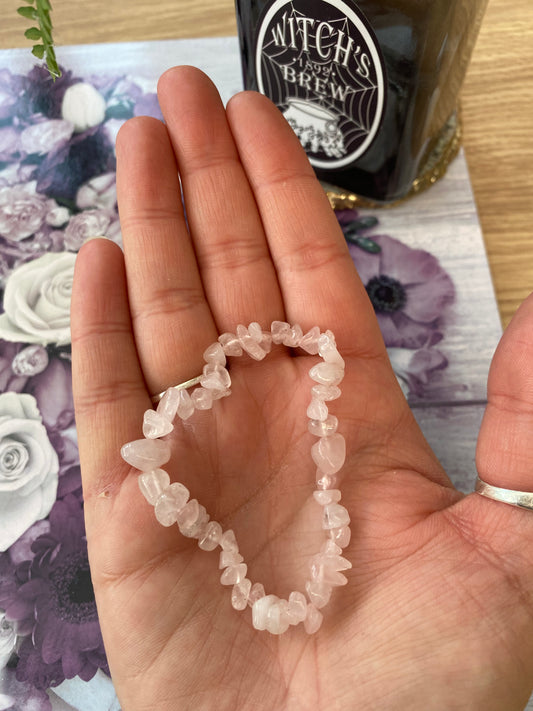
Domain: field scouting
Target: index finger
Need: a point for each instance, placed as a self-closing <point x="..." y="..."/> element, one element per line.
<point x="318" y="279"/>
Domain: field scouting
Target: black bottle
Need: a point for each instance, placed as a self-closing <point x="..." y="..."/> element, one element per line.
<point x="369" y="87"/>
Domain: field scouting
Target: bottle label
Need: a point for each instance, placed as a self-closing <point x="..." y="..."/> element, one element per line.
<point x="320" y="63"/>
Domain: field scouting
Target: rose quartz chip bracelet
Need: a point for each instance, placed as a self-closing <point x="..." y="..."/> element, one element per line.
<point x="172" y="502"/>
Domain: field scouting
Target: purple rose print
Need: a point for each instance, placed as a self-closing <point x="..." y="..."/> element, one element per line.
<point x="11" y="90"/>
<point x="8" y="640"/>
<point x="46" y="136"/>
<point x="148" y="105"/>
<point x="57" y="189"/>
<point x="30" y="361"/>
<point x="9" y="144"/>
<point x="36" y="95"/>
<point x="91" y="223"/>
<point x="125" y="98"/>
<point x="57" y="160"/>
<point x="88" y="154"/>
<point x="51" y="599"/>
<point x="70" y="481"/>
<point x="52" y="389"/>
<point x="414" y="368"/>
<point x="98" y="193"/>
<point x="20" y="696"/>
<point x="23" y="211"/>
<point x="11" y="378"/>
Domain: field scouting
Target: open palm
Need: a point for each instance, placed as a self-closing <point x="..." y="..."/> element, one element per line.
<point x="437" y="613"/>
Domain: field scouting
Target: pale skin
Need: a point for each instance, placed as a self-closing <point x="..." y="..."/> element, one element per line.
<point x="438" y="610"/>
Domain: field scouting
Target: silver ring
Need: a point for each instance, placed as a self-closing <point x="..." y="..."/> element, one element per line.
<point x="181" y="386"/>
<point x="522" y="499"/>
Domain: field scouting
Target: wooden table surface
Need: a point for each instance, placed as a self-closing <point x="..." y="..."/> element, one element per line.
<point x="497" y="105"/>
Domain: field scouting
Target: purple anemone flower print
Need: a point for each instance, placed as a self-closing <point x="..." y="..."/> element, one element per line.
<point x="51" y="599"/>
<point x="408" y="289"/>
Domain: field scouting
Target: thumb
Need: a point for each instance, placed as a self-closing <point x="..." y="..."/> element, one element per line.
<point x="504" y="453"/>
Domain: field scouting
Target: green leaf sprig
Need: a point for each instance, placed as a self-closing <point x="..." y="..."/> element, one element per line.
<point x="39" y="11"/>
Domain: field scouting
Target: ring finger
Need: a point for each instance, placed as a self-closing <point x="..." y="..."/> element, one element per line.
<point x="171" y="319"/>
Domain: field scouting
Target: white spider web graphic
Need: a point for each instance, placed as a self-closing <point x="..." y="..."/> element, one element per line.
<point x="290" y="73"/>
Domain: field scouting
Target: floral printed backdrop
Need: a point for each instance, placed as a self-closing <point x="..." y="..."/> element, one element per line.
<point x="57" y="188"/>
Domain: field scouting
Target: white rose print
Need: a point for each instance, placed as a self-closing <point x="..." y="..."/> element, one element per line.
<point x="37" y="301"/>
<point x="29" y="467"/>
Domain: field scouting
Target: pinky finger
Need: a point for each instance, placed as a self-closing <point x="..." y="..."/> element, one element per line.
<point x="108" y="386"/>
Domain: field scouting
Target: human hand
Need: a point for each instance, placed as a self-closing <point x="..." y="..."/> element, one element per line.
<point x="437" y="613"/>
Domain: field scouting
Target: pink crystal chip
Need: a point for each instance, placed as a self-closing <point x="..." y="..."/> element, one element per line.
<point x="155" y="425"/>
<point x="297" y="610"/>
<point x="215" y="377"/>
<point x="329" y="453"/>
<point x="279" y="329"/>
<point x="341" y="536"/>
<point x="153" y="483"/>
<point x="170" y="503"/>
<point x="269" y="613"/>
<point x="317" y="410"/>
<point x="234" y="574"/>
<point x="228" y="542"/>
<point x="319" y="592"/>
<point x="185" y="405"/>
<point x="323" y="428"/>
<point x="229" y="558"/>
<point x="328" y="349"/>
<point x="230" y="344"/>
<point x="239" y="594"/>
<point x="215" y="354"/>
<point x="327" y="496"/>
<point x="313" y="620"/>
<point x="210" y="539"/>
<point x="168" y="405"/>
<point x="327" y="373"/>
<point x="257" y="590"/>
<point x="309" y="341"/>
<point x="146" y="454"/>
<point x="202" y="398"/>
<point x="335" y="516"/>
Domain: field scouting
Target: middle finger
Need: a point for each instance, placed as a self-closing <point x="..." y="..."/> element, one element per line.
<point x="238" y="276"/>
